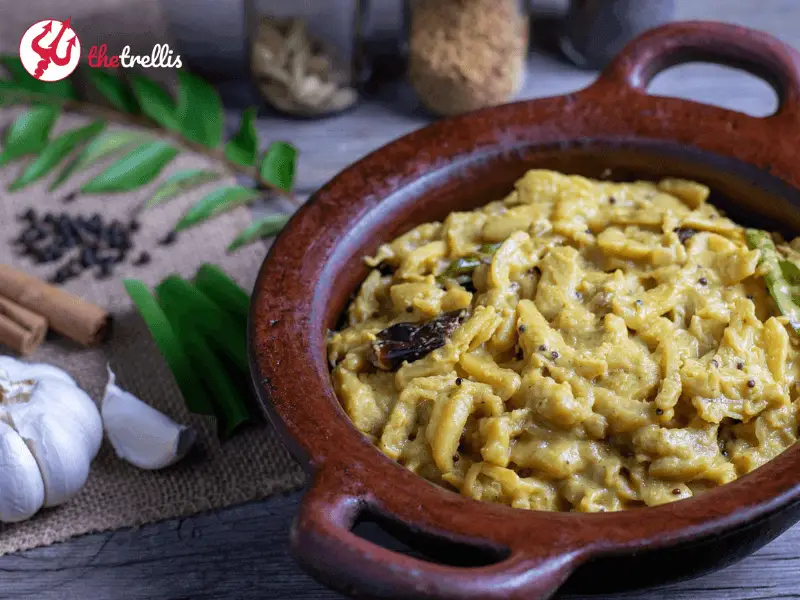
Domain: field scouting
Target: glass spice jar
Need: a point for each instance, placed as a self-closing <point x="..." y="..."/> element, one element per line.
<point x="466" y="54"/>
<point x="306" y="55"/>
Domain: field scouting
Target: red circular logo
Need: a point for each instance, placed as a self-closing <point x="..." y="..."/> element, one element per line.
<point x="50" y="50"/>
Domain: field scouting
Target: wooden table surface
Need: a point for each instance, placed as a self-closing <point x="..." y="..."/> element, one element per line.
<point x="241" y="553"/>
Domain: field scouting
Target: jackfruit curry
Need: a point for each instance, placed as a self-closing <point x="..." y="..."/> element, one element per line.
<point x="579" y="345"/>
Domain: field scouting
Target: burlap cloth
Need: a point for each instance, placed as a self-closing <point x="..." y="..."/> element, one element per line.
<point x="250" y="466"/>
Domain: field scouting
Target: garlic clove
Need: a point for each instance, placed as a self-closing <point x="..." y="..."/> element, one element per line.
<point x="47" y="393"/>
<point x="140" y="434"/>
<point x="21" y="484"/>
<point x="79" y="405"/>
<point x="50" y="435"/>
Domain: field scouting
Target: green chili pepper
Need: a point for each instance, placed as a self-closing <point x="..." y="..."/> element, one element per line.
<point x="228" y="334"/>
<point x="461" y="269"/>
<point x="226" y="293"/>
<point x="170" y="345"/>
<point x="781" y="275"/>
<point x="489" y="248"/>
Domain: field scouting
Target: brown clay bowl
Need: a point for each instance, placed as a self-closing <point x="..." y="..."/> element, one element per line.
<point x="478" y="550"/>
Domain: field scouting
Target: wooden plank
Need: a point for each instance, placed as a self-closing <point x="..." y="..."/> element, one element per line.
<point x="241" y="553"/>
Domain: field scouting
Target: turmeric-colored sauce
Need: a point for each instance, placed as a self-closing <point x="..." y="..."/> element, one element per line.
<point x="579" y="345"/>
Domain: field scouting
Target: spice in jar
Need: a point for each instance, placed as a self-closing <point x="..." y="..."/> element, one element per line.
<point x="294" y="73"/>
<point x="467" y="54"/>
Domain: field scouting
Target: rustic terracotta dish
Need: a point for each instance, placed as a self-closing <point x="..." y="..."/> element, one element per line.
<point x="492" y="551"/>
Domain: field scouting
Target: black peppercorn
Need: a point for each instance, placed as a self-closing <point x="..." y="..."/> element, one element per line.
<point x="88" y="256"/>
<point x="522" y="328"/>
<point x="751" y="383"/>
<point x="676" y="492"/>
<point x="740" y="365"/>
<point x="638" y="302"/>
<point x="612" y="200"/>
<point x="714" y="363"/>
<point x="542" y="348"/>
<point x="58" y="278"/>
<point x="554" y="354"/>
<point x="169" y="239"/>
<point x="105" y="271"/>
<point x="96" y="245"/>
<point x="94" y="224"/>
<point x="409" y="309"/>
<point x="702" y="281"/>
<point x="659" y="412"/>
<point x="459" y="381"/>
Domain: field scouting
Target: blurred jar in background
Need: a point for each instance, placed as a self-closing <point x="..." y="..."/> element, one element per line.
<point x="596" y="30"/>
<point x="306" y="55"/>
<point x="466" y="54"/>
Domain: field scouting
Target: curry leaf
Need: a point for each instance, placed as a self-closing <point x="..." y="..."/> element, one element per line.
<point x="135" y="169"/>
<point x="28" y="133"/>
<point x="24" y="81"/>
<point x="114" y="90"/>
<point x="267" y="227"/>
<point x="220" y="200"/>
<point x="243" y="147"/>
<point x="55" y="151"/>
<point x="180" y="182"/>
<point x="200" y="111"/>
<point x="278" y="165"/>
<point x="13" y="64"/>
<point x="103" y="146"/>
<point x="155" y="102"/>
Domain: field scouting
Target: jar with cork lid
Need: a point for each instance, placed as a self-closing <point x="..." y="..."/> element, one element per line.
<point x="466" y="54"/>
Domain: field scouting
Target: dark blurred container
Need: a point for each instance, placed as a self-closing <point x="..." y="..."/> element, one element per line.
<point x="306" y="56"/>
<point x="596" y="30"/>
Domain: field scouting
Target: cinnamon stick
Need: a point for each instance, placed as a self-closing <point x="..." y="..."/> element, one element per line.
<point x="20" y="329"/>
<point x="69" y="315"/>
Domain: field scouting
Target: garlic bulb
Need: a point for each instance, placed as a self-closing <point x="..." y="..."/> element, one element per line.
<point x="47" y="422"/>
<point x="16" y="370"/>
<point x="21" y="484"/>
<point x="139" y="433"/>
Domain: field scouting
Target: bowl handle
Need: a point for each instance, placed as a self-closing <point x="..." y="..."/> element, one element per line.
<point x="696" y="41"/>
<point x="323" y="543"/>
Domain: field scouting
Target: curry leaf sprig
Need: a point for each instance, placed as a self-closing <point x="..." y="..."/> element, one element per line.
<point x="165" y="127"/>
<point x="200" y="327"/>
<point x="781" y="276"/>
